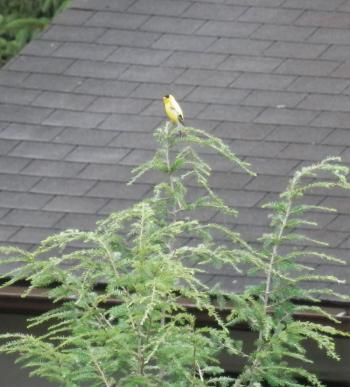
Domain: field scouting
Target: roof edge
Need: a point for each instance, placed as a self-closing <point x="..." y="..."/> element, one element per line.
<point x="12" y="301"/>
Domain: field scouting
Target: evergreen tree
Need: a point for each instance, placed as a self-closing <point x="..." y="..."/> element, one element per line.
<point x="122" y="290"/>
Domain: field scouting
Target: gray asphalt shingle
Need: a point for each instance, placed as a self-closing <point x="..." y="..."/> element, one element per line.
<point x="30" y="132"/>
<point x="79" y="104"/>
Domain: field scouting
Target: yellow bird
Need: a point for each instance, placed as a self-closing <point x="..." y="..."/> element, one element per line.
<point x="173" y="110"/>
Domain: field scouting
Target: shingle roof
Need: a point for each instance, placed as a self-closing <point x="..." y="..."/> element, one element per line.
<point x="79" y="104"/>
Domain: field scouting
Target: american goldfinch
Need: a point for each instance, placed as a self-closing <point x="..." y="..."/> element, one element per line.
<point x="173" y="109"/>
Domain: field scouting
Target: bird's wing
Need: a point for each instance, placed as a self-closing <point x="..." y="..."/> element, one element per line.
<point x="178" y="113"/>
<point x="176" y="107"/>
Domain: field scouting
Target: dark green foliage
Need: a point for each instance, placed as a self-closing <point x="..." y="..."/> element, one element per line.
<point x="150" y="272"/>
<point x="21" y="20"/>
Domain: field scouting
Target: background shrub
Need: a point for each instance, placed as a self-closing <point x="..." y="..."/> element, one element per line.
<point x="21" y="20"/>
